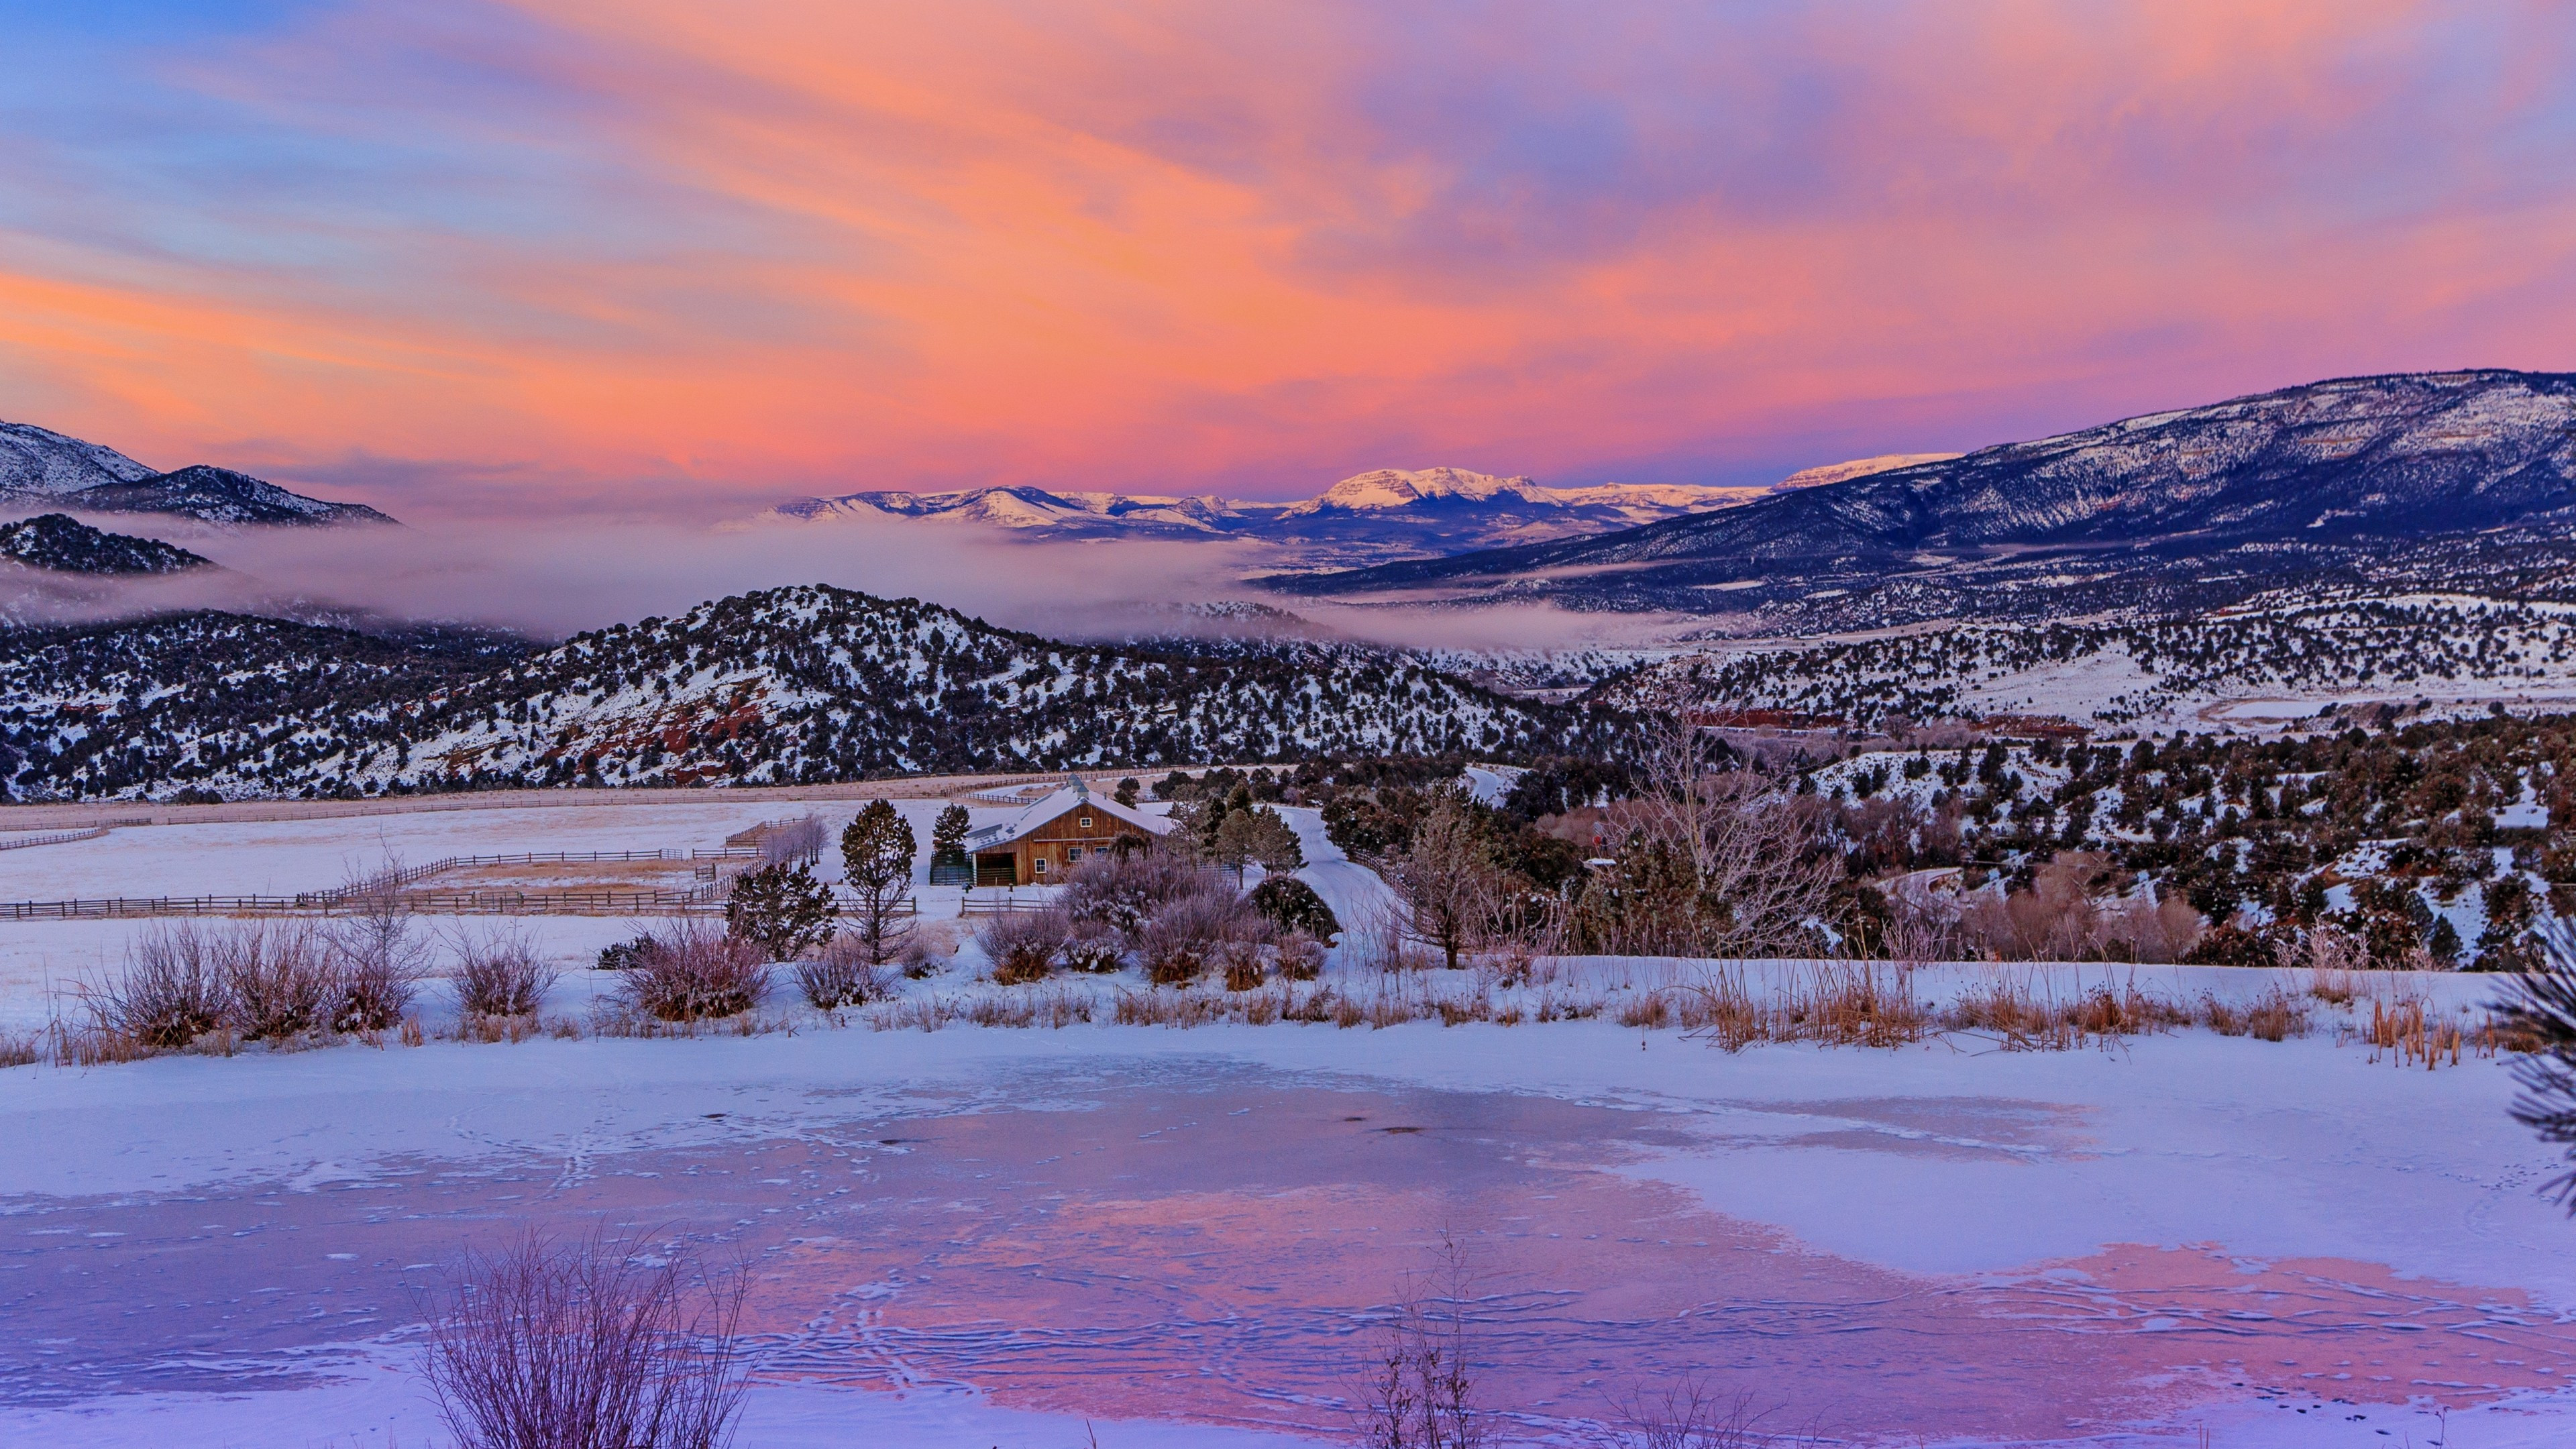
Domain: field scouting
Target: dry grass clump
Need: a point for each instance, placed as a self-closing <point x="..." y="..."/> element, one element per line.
<point x="1053" y="1007"/>
<point x="501" y="974"/>
<point x="2276" y="1015"/>
<point x="1831" y="1003"/>
<point x="21" y="1048"/>
<point x="925" y="1013"/>
<point x="840" y="975"/>
<point x="2023" y="1018"/>
<point x="582" y="1346"/>
<point x="1648" y="1011"/>
<point x="689" y="971"/>
<point x="2405" y="1030"/>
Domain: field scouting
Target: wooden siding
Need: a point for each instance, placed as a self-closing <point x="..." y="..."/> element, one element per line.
<point x="1080" y="829"/>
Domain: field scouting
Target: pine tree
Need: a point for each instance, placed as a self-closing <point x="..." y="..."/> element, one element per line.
<point x="876" y="861"/>
<point x="782" y="909"/>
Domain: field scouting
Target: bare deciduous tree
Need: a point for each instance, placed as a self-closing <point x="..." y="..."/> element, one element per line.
<point x="376" y="951"/>
<point x="1446" y="878"/>
<point x="1726" y="864"/>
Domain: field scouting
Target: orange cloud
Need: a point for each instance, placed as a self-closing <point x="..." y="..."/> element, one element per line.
<point x="671" y="258"/>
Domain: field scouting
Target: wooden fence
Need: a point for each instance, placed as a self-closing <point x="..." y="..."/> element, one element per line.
<point x="985" y="903"/>
<point x="58" y="837"/>
<point x="447" y="903"/>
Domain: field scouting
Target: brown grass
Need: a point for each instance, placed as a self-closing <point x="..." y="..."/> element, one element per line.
<point x="21" y="1048"/>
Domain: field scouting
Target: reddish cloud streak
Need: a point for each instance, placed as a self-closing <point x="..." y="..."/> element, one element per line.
<point x="675" y="259"/>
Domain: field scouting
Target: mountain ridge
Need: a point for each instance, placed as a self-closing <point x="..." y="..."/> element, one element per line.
<point x="2344" y="464"/>
<point x="61" y="543"/>
<point x="1385" y="512"/>
<point x="39" y="465"/>
<point x="788" y="685"/>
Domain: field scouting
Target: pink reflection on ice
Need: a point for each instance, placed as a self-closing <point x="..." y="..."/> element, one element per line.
<point x="1218" y="1247"/>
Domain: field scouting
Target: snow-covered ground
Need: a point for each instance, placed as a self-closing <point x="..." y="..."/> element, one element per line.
<point x="989" y="1236"/>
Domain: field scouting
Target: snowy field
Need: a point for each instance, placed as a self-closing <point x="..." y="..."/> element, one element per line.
<point x="1184" y="1236"/>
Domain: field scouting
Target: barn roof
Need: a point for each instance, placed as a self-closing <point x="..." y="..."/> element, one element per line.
<point x="1054" y="807"/>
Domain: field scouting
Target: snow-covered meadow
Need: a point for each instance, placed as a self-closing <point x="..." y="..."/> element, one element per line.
<point x="995" y="1235"/>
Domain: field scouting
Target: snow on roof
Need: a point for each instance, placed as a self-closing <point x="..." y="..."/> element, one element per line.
<point x="1053" y="807"/>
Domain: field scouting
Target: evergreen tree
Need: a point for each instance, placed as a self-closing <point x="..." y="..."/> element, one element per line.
<point x="782" y="909"/>
<point x="876" y="862"/>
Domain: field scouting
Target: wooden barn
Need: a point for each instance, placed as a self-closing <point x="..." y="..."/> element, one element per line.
<point x="1054" y="835"/>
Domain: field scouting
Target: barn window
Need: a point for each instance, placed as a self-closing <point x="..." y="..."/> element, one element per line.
<point x="1086" y="822"/>
<point x="1041" y="865"/>
<point x="1075" y="853"/>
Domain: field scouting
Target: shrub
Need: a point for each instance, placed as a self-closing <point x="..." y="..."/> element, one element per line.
<point x="1124" y="889"/>
<point x="501" y="975"/>
<point x="1022" y="945"/>
<point x="1244" y="968"/>
<point x="1301" y="957"/>
<point x="921" y="954"/>
<point x="1189" y="932"/>
<point x="842" y="974"/>
<point x="171" y="992"/>
<point x="377" y="958"/>
<point x="277" y="984"/>
<point x="689" y="972"/>
<point x="782" y="909"/>
<point x="1292" y="905"/>
<point x="580" y="1347"/>
<point x="1093" y="949"/>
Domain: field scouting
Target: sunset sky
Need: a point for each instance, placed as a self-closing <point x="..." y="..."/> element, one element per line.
<point x="675" y="259"/>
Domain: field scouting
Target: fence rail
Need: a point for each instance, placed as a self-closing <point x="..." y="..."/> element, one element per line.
<point x="447" y="903"/>
<point x="978" y="904"/>
<point x="57" y="837"/>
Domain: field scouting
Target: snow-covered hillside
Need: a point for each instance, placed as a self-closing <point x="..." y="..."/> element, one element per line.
<point x="787" y="685"/>
<point x="2164" y="672"/>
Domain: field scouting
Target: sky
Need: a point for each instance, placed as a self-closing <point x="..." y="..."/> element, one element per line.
<point x="671" y="262"/>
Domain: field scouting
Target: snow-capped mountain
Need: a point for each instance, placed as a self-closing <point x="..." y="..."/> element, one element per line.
<point x="39" y="462"/>
<point x="2321" y="480"/>
<point x="43" y="467"/>
<point x="1384" y="514"/>
<point x="1036" y="509"/>
<point x="786" y="685"/>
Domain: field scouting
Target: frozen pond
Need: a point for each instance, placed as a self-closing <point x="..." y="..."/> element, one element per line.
<point x="1204" y="1227"/>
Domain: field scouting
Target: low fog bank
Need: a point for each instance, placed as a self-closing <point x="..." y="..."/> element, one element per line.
<point x="558" y="577"/>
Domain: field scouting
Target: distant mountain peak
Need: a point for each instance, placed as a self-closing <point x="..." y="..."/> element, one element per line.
<point x="1859" y="468"/>
<point x="64" y="544"/>
<point x="1405" y="487"/>
<point x="39" y="465"/>
<point x="36" y="460"/>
